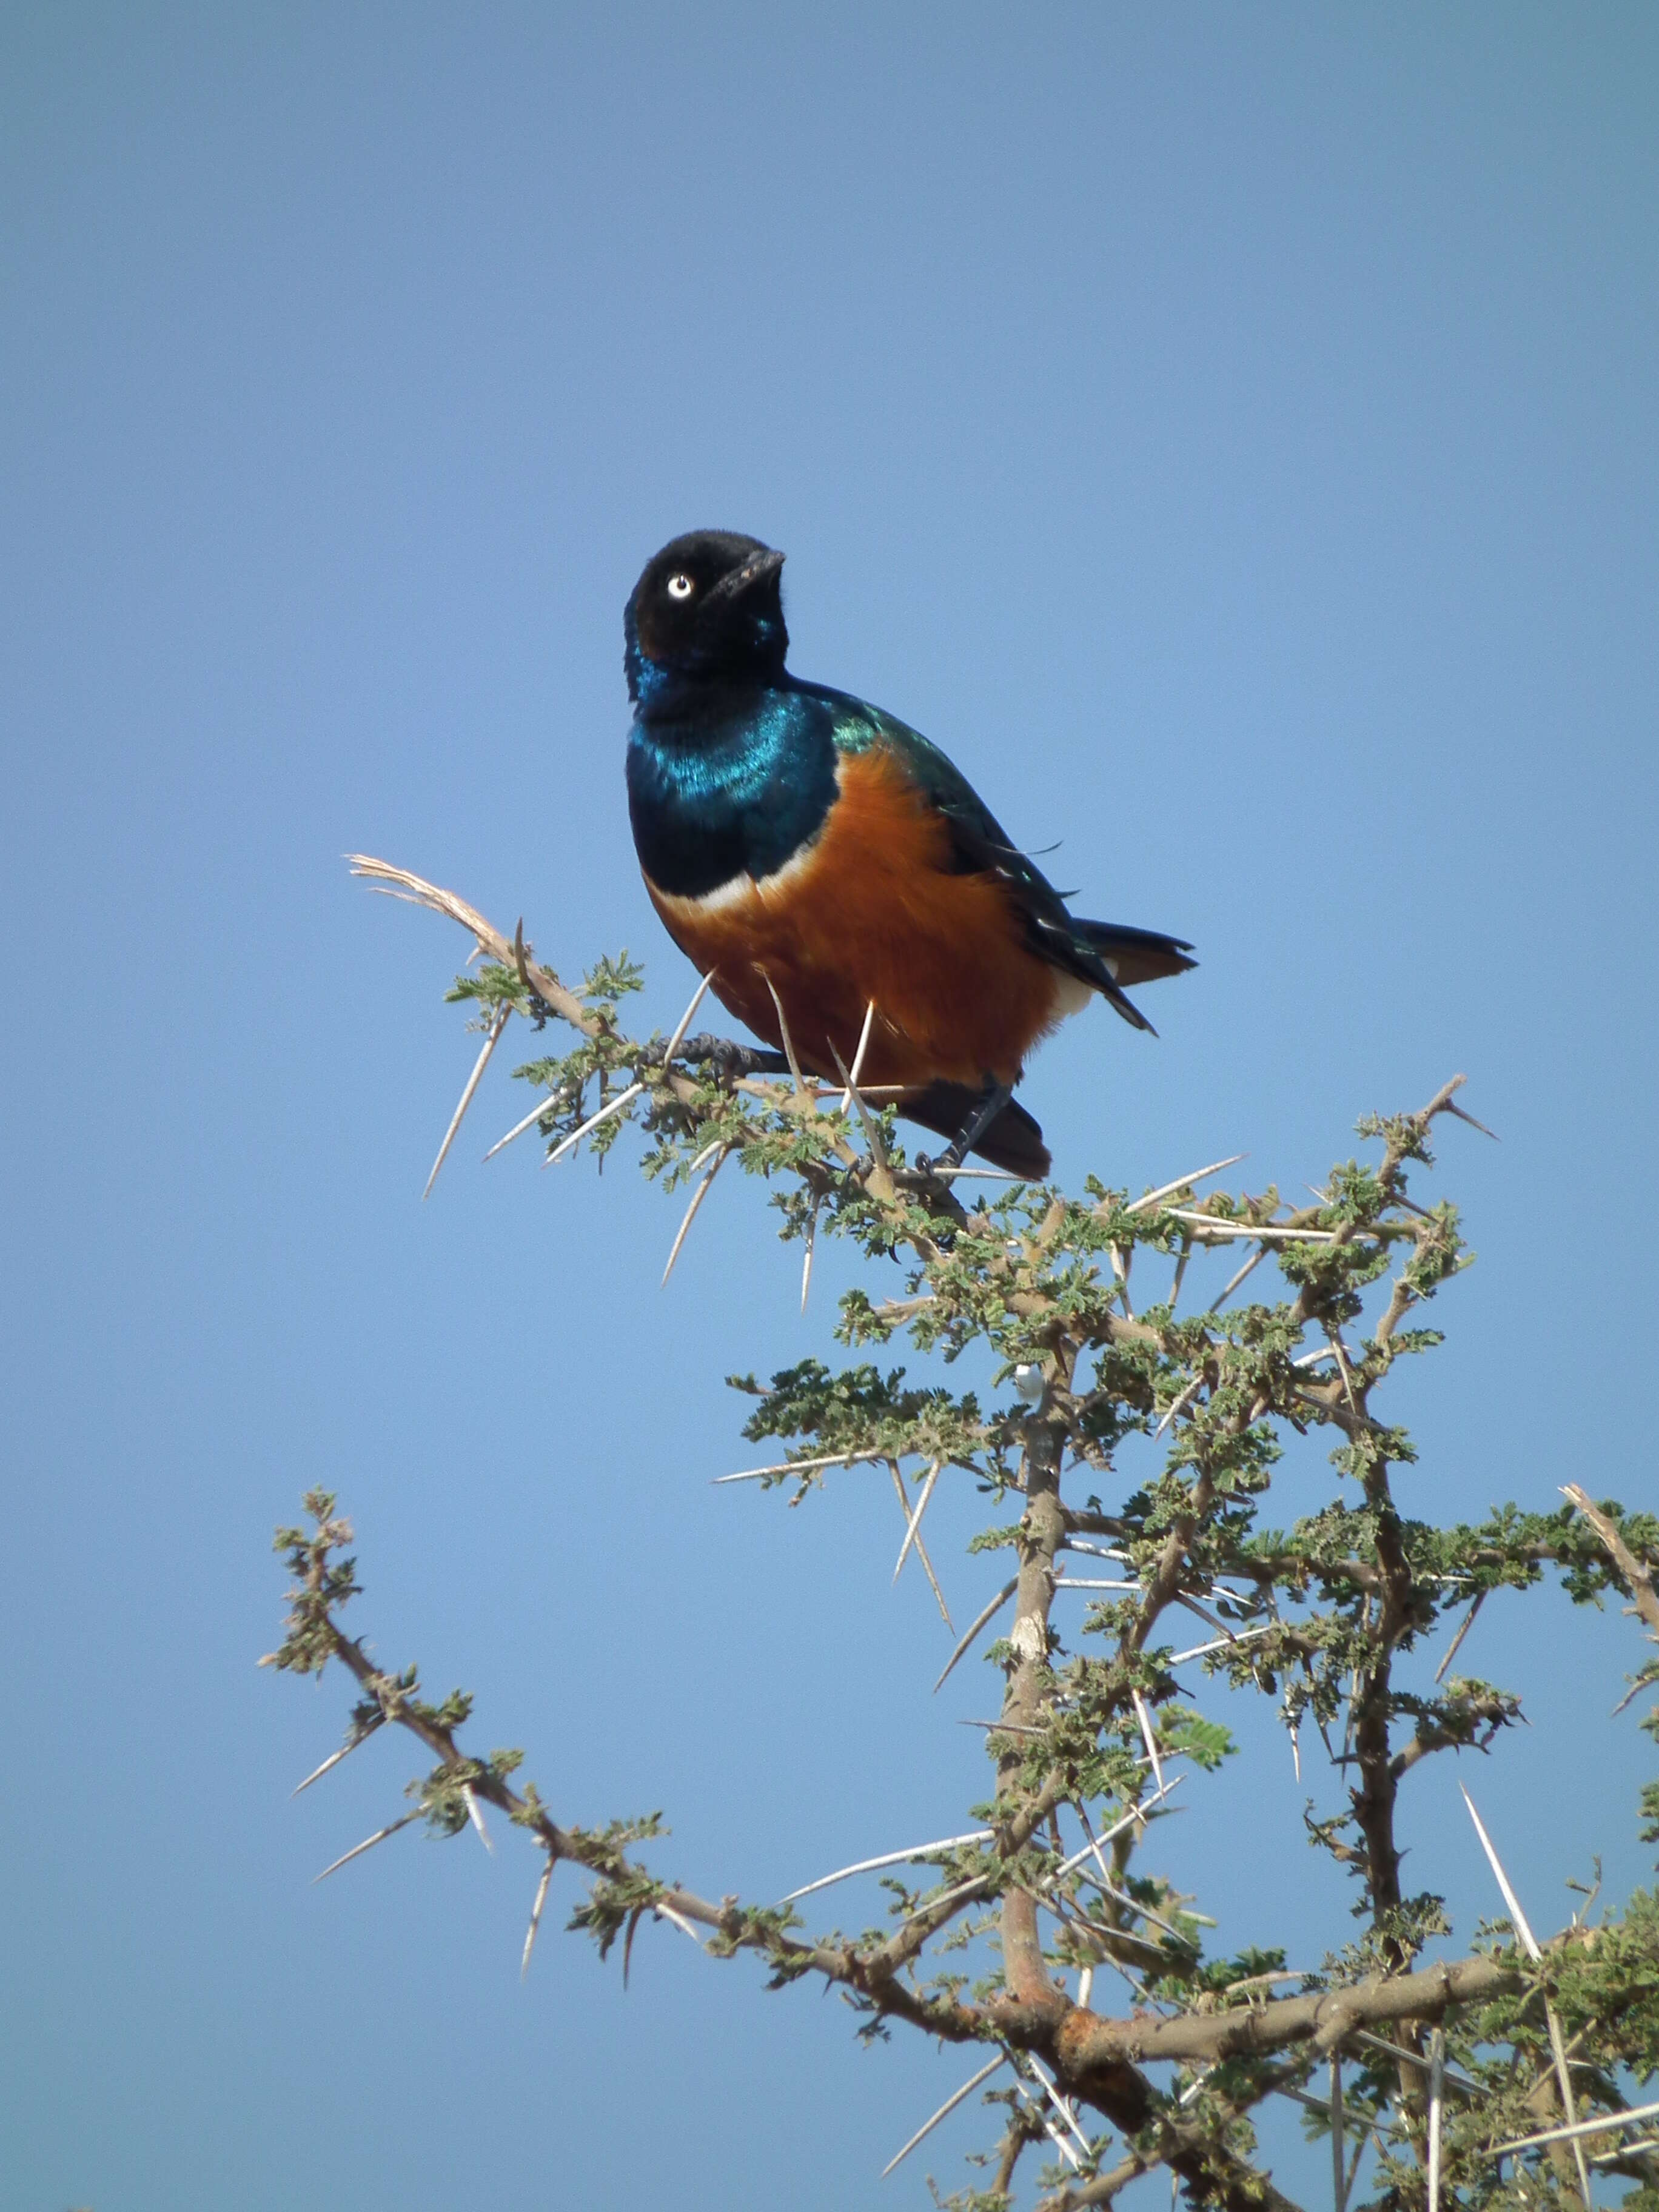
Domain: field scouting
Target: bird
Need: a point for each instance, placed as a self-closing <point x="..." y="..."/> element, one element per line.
<point x="838" y="877"/>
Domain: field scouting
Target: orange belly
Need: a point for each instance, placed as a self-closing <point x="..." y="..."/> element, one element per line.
<point x="872" y="912"/>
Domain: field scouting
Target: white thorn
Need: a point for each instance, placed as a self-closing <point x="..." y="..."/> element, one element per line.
<point x="858" y="1057"/>
<point x="698" y="1196"/>
<point x="806" y="1264"/>
<point x="914" y="1521"/>
<point x="1184" y="1183"/>
<point x="366" y="1845"/>
<point x="679" y="1038"/>
<point x="536" y="1915"/>
<point x="475" y="1813"/>
<point x="472" y="1082"/>
<point x="622" y="1098"/>
<point x="948" y="2105"/>
<point x="545" y="1106"/>
<point x="890" y="1858"/>
<point x="667" y="1912"/>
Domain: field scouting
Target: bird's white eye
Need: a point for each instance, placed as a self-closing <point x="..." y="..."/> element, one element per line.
<point x="680" y="586"/>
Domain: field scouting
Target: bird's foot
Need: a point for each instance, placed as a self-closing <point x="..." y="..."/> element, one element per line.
<point x="990" y="1103"/>
<point x="728" y="1059"/>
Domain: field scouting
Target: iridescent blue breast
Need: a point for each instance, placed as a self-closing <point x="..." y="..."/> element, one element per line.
<point x="733" y="787"/>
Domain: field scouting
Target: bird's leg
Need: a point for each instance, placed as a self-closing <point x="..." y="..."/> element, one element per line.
<point x="990" y="1103"/>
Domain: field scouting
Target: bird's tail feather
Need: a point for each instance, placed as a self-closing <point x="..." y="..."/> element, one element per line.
<point x="1012" y="1141"/>
<point x="1135" y="956"/>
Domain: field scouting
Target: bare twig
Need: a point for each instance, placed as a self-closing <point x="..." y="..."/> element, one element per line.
<point x="1638" y="1578"/>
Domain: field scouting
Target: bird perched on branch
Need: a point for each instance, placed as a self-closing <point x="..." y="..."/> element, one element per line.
<point x="837" y="874"/>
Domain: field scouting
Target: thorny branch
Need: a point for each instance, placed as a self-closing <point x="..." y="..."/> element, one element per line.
<point x="1322" y="1619"/>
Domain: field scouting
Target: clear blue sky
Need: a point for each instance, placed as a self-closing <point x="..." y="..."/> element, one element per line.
<point x="1232" y="434"/>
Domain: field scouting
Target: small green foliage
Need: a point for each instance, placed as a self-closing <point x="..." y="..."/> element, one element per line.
<point x="1142" y="1434"/>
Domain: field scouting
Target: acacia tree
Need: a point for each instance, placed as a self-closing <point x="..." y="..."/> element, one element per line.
<point x="1105" y="2040"/>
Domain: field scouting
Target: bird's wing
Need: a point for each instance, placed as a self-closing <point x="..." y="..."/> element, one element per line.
<point x="1097" y="952"/>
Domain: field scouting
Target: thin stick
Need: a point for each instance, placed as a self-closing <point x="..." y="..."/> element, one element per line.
<point x="1603" y="2122"/>
<point x="914" y="1521"/>
<point x="1436" y="2100"/>
<point x="948" y="2105"/>
<point x="368" y="1844"/>
<point x="697" y="1198"/>
<point x="679" y="1038"/>
<point x="1184" y="1183"/>
<point x="1468" y="1623"/>
<point x="536" y="1916"/>
<point x="472" y="1083"/>
<point x="890" y="1858"/>
<point x="1530" y="1941"/>
<point x="994" y="1607"/>
<point x="622" y="1098"/>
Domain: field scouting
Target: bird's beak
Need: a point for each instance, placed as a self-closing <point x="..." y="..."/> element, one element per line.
<point x="759" y="569"/>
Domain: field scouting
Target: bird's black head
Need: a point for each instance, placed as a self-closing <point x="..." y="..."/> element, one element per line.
<point x="709" y="604"/>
